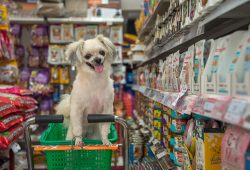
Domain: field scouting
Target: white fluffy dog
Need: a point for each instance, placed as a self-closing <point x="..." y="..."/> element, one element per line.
<point x="92" y="91"/>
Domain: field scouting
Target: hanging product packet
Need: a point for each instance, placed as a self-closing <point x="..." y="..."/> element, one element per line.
<point x="55" y="54"/>
<point x="67" y="32"/>
<point x="80" y="32"/>
<point x="9" y="121"/>
<point x="7" y="137"/>
<point x="34" y="57"/>
<point x="20" y="54"/>
<point x="15" y="32"/>
<point x="55" y="33"/>
<point x="6" y="47"/>
<point x="39" y="36"/>
<point x="24" y="77"/>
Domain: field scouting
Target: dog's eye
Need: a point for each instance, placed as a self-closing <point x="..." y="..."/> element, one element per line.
<point x="87" y="56"/>
<point x="102" y="52"/>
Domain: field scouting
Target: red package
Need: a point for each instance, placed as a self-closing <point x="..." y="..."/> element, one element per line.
<point x="22" y="102"/>
<point x="6" y="138"/>
<point x="15" y="90"/>
<point x="28" y="115"/>
<point x="9" y="121"/>
<point x="7" y="108"/>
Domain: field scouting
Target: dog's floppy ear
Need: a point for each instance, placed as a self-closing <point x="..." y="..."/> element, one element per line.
<point x="107" y="44"/>
<point x="73" y="51"/>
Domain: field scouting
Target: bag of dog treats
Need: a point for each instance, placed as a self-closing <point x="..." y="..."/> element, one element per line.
<point x="27" y="115"/>
<point x="7" y="137"/>
<point x="15" y="90"/>
<point x="39" y="36"/>
<point x="7" y="108"/>
<point x="9" y="121"/>
<point x="15" y="32"/>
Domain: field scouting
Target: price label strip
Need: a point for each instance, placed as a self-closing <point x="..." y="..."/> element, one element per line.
<point x="235" y="111"/>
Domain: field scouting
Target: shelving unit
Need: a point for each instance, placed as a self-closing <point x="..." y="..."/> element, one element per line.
<point x="82" y="20"/>
<point x="228" y="109"/>
<point x="149" y="23"/>
<point x="229" y="16"/>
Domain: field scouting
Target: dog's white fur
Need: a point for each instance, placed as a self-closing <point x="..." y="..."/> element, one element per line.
<point x="92" y="92"/>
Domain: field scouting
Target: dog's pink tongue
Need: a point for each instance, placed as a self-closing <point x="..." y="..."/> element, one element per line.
<point x="99" y="69"/>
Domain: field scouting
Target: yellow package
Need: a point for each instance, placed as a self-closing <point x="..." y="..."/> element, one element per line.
<point x="64" y="75"/>
<point x="208" y="150"/>
<point x="4" y="24"/>
<point x="54" y="75"/>
<point x="212" y="147"/>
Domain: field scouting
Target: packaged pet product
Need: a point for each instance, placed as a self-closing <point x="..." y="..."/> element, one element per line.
<point x="241" y="75"/>
<point x="208" y="48"/>
<point x="15" y="32"/>
<point x="116" y="34"/>
<point x="159" y="77"/>
<point x="177" y="142"/>
<point x="185" y="14"/>
<point x="91" y="32"/>
<point x="9" y="121"/>
<point x="15" y="90"/>
<point x="39" y="36"/>
<point x="234" y="146"/>
<point x="211" y="69"/>
<point x="54" y="74"/>
<point x="6" y="47"/>
<point x="187" y="71"/>
<point x="44" y="57"/>
<point x="4" y="24"/>
<point x="223" y="73"/>
<point x="46" y="105"/>
<point x="20" y="54"/>
<point x="104" y="30"/>
<point x="177" y="157"/>
<point x="55" y="33"/>
<point x="175" y="64"/>
<point x="7" y="108"/>
<point x="192" y="10"/>
<point x="64" y="75"/>
<point x="209" y="5"/>
<point x="67" y="32"/>
<point x="177" y="125"/>
<point x="9" y="136"/>
<point x="198" y="66"/>
<point x="55" y="54"/>
<point x="80" y="32"/>
<point x="34" y="57"/>
<point x="8" y="72"/>
<point x="211" y="153"/>
<point x="24" y="76"/>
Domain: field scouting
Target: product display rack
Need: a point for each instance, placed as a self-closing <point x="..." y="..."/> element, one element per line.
<point x="201" y="105"/>
<point x="219" y="22"/>
<point x="166" y="84"/>
<point x="149" y="23"/>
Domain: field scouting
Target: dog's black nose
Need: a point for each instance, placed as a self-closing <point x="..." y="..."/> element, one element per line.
<point x="98" y="60"/>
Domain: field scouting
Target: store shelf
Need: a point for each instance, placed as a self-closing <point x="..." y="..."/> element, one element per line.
<point x="127" y="61"/>
<point x="82" y="20"/>
<point x="161" y="8"/>
<point x="229" y="109"/>
<point x="229" y="16"/>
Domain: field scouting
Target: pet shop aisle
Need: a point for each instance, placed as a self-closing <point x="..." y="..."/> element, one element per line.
<point x="192" y="91"/>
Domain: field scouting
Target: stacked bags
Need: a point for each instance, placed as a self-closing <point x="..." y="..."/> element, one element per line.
<point x="16" y="106"/>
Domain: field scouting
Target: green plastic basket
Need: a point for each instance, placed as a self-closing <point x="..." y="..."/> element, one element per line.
<point x="75" y="159"/>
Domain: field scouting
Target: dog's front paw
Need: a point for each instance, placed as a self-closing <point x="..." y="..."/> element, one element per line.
<point x="106" y="142"/>
<point x="78" y="141"/>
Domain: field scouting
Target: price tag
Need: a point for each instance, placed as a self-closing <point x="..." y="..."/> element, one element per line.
<point x="165" y="100"/>
<point x="162" y="154"/>
<point x="208" y="106"/>
<point x="235" y="111"/>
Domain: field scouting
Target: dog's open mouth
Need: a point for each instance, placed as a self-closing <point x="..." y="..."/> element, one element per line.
<point x="97" y="67"/>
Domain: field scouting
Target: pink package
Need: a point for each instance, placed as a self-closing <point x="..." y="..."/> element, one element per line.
<point x="234" y="146"/>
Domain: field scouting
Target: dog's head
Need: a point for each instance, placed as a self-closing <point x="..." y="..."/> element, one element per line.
<point x="93" y="55"/>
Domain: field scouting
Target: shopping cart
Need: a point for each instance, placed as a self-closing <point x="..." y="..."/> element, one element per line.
<point x="65" y="155"/>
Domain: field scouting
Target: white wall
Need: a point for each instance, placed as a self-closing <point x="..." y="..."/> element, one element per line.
<point x="131" y="4"/>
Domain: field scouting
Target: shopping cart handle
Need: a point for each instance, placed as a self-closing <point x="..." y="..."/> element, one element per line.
<point x="98" y="118"/>
<point x="49" y="119"/>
